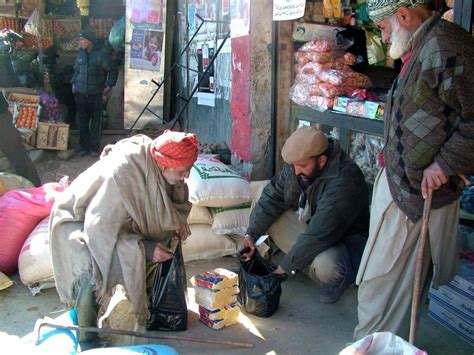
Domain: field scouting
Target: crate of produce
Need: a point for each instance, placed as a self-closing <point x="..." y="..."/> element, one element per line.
<point x="66" y="25"/>
<point x="26" y="115"/>
<point x="101" y="26"/>
<point x="21" y="98"/>
<point x="10" y="24"/>
<point x="31" y="42"/>
<point x="52" y="135"/>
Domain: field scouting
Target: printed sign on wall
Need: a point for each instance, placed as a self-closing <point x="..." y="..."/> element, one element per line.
<point x="288" y="9"/>
<point x="147" y="13"/>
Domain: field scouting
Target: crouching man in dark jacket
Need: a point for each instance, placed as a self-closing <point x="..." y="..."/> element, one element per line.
<point x="327" y="196"/>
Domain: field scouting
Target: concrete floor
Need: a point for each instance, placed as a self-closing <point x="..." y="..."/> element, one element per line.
<point x="300" y="326"/>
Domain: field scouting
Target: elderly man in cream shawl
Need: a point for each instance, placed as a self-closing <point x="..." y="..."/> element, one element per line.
<point x="122" y="209"/>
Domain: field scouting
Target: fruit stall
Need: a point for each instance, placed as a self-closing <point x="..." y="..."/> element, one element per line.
<point x="39" y="42"/>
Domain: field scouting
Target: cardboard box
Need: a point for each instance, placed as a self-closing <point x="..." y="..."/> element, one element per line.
<point x="367" y="109"/>
<point x="340" y="103"/>
<point x="464" y="280"/>
<point x="457" y="301"/>
<point x="52" y="136"/>
<point x="459" y="326"/>
<point x="310" y="31"/>
<point x="28" y="136"/>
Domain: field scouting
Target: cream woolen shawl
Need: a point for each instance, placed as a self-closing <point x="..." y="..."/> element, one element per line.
<point x="98" y="223"/>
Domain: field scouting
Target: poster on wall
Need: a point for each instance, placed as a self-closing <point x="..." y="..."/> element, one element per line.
<point x="145" y="43"/>
<point x="206" y="9"/>
<point x="225" y="7"/>
<point x="146" y="49"/>
<point x="147" y="13"/>
<point x="239" y="18"/>
<point x="206" y="89"/>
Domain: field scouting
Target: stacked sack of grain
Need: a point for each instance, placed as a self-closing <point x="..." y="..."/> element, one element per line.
<point x="221" y="207"/>
<point x="216" y="294"/>
<point x="323" y="72"/>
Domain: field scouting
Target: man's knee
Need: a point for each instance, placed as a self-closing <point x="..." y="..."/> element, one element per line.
<point x="325" y="267"/>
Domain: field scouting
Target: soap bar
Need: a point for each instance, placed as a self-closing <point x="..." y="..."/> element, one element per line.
<point x="216" y="295"/>
<point x="212" y="301"/>
<point x="228" y="312"/>
<point x="217" y="279"/>
<point x="218" y="323"/>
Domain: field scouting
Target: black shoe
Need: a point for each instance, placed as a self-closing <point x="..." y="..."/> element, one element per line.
<point x="330" y="294"/>
<point x="83" y="153"/>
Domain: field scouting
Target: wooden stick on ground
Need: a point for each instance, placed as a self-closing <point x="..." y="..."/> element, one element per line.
<point x="417" y="286"/>
<point x="141" y="335"/>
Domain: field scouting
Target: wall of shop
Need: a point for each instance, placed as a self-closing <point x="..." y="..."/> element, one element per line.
<point x="239" y="114"/>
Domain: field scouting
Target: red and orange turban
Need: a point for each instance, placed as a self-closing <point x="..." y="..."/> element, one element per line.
<point x="174" y="149"/>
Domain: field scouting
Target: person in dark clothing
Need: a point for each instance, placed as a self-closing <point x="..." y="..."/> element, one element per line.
<point x="94" y="75"/>
<point x="326" y="194"/>
<point x="13" y="148"/>
<point x="64" y="94"/>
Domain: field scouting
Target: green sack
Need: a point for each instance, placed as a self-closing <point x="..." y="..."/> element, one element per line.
<point x="117" y="35"/>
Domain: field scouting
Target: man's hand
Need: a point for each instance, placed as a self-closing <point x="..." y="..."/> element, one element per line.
<point x="249" y="242"/>
<point x="161" y="253"/>
<point x="280" y="273"/>
<point x="433" y="178"/>
<point x="106" y="90"/>
<point x="181" y="234"/>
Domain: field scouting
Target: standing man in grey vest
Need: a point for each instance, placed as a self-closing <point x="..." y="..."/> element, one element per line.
<point x="429" y="141"/>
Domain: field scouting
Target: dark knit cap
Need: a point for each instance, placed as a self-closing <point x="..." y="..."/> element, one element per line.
<point x="88" y="34"/>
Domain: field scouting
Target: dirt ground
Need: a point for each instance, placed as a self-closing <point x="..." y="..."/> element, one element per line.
<point x="51" y="168"/>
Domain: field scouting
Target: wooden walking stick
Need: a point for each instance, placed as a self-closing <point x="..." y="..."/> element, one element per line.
<point x="417" y="287"/>
<point x="138" y="334"/>
<point x="420" y="256"/>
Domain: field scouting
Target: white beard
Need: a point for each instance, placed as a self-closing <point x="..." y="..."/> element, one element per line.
<point x="399" y="39"/>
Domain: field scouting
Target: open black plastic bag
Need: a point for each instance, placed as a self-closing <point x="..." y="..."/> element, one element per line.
<point x="168" y="295"/>
<point x="260" y="289"/>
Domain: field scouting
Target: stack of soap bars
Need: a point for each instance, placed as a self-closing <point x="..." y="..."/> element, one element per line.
<point x="216" y="295"/>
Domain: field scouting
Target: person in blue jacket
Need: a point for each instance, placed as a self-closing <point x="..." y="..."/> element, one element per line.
<point x="94" y="75"/>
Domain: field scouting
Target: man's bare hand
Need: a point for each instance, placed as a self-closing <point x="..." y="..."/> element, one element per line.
<point x="161" y="253"/>
<point x="182" y="233"/>
<point x="106" y="91"/>
<point x="280" y="273"/>
<point x="249" y="243"/>
<point x="433" y="178"/>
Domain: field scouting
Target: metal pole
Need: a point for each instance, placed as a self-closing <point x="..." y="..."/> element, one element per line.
<point x="172" y="123"/>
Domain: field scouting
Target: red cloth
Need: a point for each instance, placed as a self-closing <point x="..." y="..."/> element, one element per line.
<point x="173" y="149"/>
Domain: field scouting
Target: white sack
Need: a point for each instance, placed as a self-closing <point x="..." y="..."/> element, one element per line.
<point x="214" y="184"/>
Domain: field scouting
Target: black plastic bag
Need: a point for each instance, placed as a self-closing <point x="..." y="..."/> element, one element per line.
<point x="168" y="295"/>
<point x="260" y="289"/>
